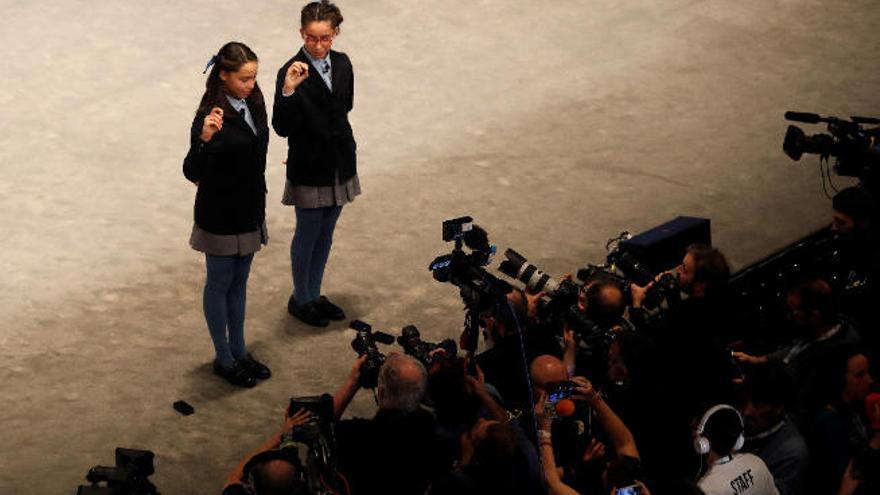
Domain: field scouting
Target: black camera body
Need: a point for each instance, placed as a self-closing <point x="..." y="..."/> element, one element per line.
<point x="412" y="343"/>
<point x="128" y="477"/>
<point x="562" y="295"/>
<point x="847" y="140"/>
<point x="627" y="268"/>
<point x="588" y="331"/>
<point x="364" y="343"/>
<point x="479" y="289"/>
<point x="318" y="435"/>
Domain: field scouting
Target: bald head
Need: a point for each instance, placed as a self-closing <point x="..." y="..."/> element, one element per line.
<point x="402" y="383"/>
<point x="547" y="369"/>
<point x="275" y="476"/>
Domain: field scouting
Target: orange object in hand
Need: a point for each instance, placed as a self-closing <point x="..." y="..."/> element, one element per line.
<point x="565" y="408"/>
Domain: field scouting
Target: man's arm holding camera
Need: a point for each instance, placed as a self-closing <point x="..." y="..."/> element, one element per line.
<point x="622" y="439"/>
<point x="300" y="417"/>
<point x="555" y="484"/>
<point x="347" y="391"/>
<point x="477" y="386"/>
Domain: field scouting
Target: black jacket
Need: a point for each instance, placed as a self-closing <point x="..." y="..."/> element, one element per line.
<point x="320" y="142"/>
<point x="230" y="171"/>
<point x="394" y="453"/>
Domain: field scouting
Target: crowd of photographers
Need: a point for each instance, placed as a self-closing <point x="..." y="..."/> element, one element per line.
<point x="597" y="384"/>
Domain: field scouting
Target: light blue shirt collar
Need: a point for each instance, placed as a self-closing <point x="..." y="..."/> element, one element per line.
<point x="238" y="105"/>
<point x="317" y="61"/>
<point x="318" y="64"/>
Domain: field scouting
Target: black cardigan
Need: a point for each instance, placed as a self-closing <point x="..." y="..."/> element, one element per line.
<point x="320" y="142"/>
<point x="230" y="171"/>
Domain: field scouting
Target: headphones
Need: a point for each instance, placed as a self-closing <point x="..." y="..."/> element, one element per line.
<point x="702" y="444"/>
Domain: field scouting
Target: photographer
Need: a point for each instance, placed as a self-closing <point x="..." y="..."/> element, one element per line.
<point x="268" y="470"/>
<point x="690" y="342"/>
<point x="623" y="468"/>
<point x="496" y="458"/>
<point x="692" y="335"/>
<point x="578" y="449"/>
<point x="592" y="325"/>
<point x="702" y="278"/>
<point x="459" y="400"/>
<point x="394" y="452"/>
<point x="502" y="361"/>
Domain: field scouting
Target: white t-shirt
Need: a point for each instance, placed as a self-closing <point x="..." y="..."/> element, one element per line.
<point x="743" y="474"/>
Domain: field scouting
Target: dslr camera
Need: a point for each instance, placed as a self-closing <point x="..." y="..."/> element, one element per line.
<point x="412" y="343"/>
<point x="625" y="268"/>
<point x="563" y="294"/>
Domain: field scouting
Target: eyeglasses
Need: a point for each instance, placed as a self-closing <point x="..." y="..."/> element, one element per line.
<point x="317" y="39"/>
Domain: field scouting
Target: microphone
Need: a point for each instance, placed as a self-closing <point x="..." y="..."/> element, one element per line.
<point x="809" y="118"/>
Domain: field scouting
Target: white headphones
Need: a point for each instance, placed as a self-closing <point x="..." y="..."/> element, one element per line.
<point x="702" y="444"/>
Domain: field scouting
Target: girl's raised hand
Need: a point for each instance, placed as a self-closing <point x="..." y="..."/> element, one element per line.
<point x="213" y="123"/>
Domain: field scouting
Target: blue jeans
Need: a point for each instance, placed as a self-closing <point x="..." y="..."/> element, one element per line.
<point x="224" y="302"/>
<point x="310" y="249"/>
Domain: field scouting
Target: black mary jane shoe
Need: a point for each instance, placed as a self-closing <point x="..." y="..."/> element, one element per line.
<point x="309" y="314"/>
<point x="235" y="374"/>
<point x="330" y="310"/>
<point x="255" y="368"/>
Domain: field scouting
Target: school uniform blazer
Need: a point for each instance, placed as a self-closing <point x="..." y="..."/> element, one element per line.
<point x="230" y="172"/>
<point x="320" y="142"/>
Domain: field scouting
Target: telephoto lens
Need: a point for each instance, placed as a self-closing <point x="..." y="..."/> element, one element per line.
<point x="516" y="266"/>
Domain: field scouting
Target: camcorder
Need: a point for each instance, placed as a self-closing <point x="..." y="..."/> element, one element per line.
<point x="411" y="342"/>
<point x="852" y="146"/>
<point x="479" y="289"/>
<point x="319" y="438"/>
<point x="364" y="343"/>
<point x="128" y="477"/>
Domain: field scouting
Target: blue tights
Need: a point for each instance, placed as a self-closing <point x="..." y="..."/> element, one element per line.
<point x="224" y="303"/>
<point x="310" y="249"/>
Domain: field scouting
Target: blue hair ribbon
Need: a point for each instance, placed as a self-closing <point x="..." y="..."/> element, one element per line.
<point x="210" y="63"/>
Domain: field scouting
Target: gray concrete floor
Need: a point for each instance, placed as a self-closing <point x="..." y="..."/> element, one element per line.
<point x="555" y="124"/>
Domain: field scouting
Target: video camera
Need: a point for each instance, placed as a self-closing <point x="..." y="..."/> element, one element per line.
<point x="847" y="141"/>
<point x="319" y="437"/>
<point x="128" y="477"/>
<point x="365" y="343"/>
<point x="478" y="288"/>
<point x="412" y="343"/>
